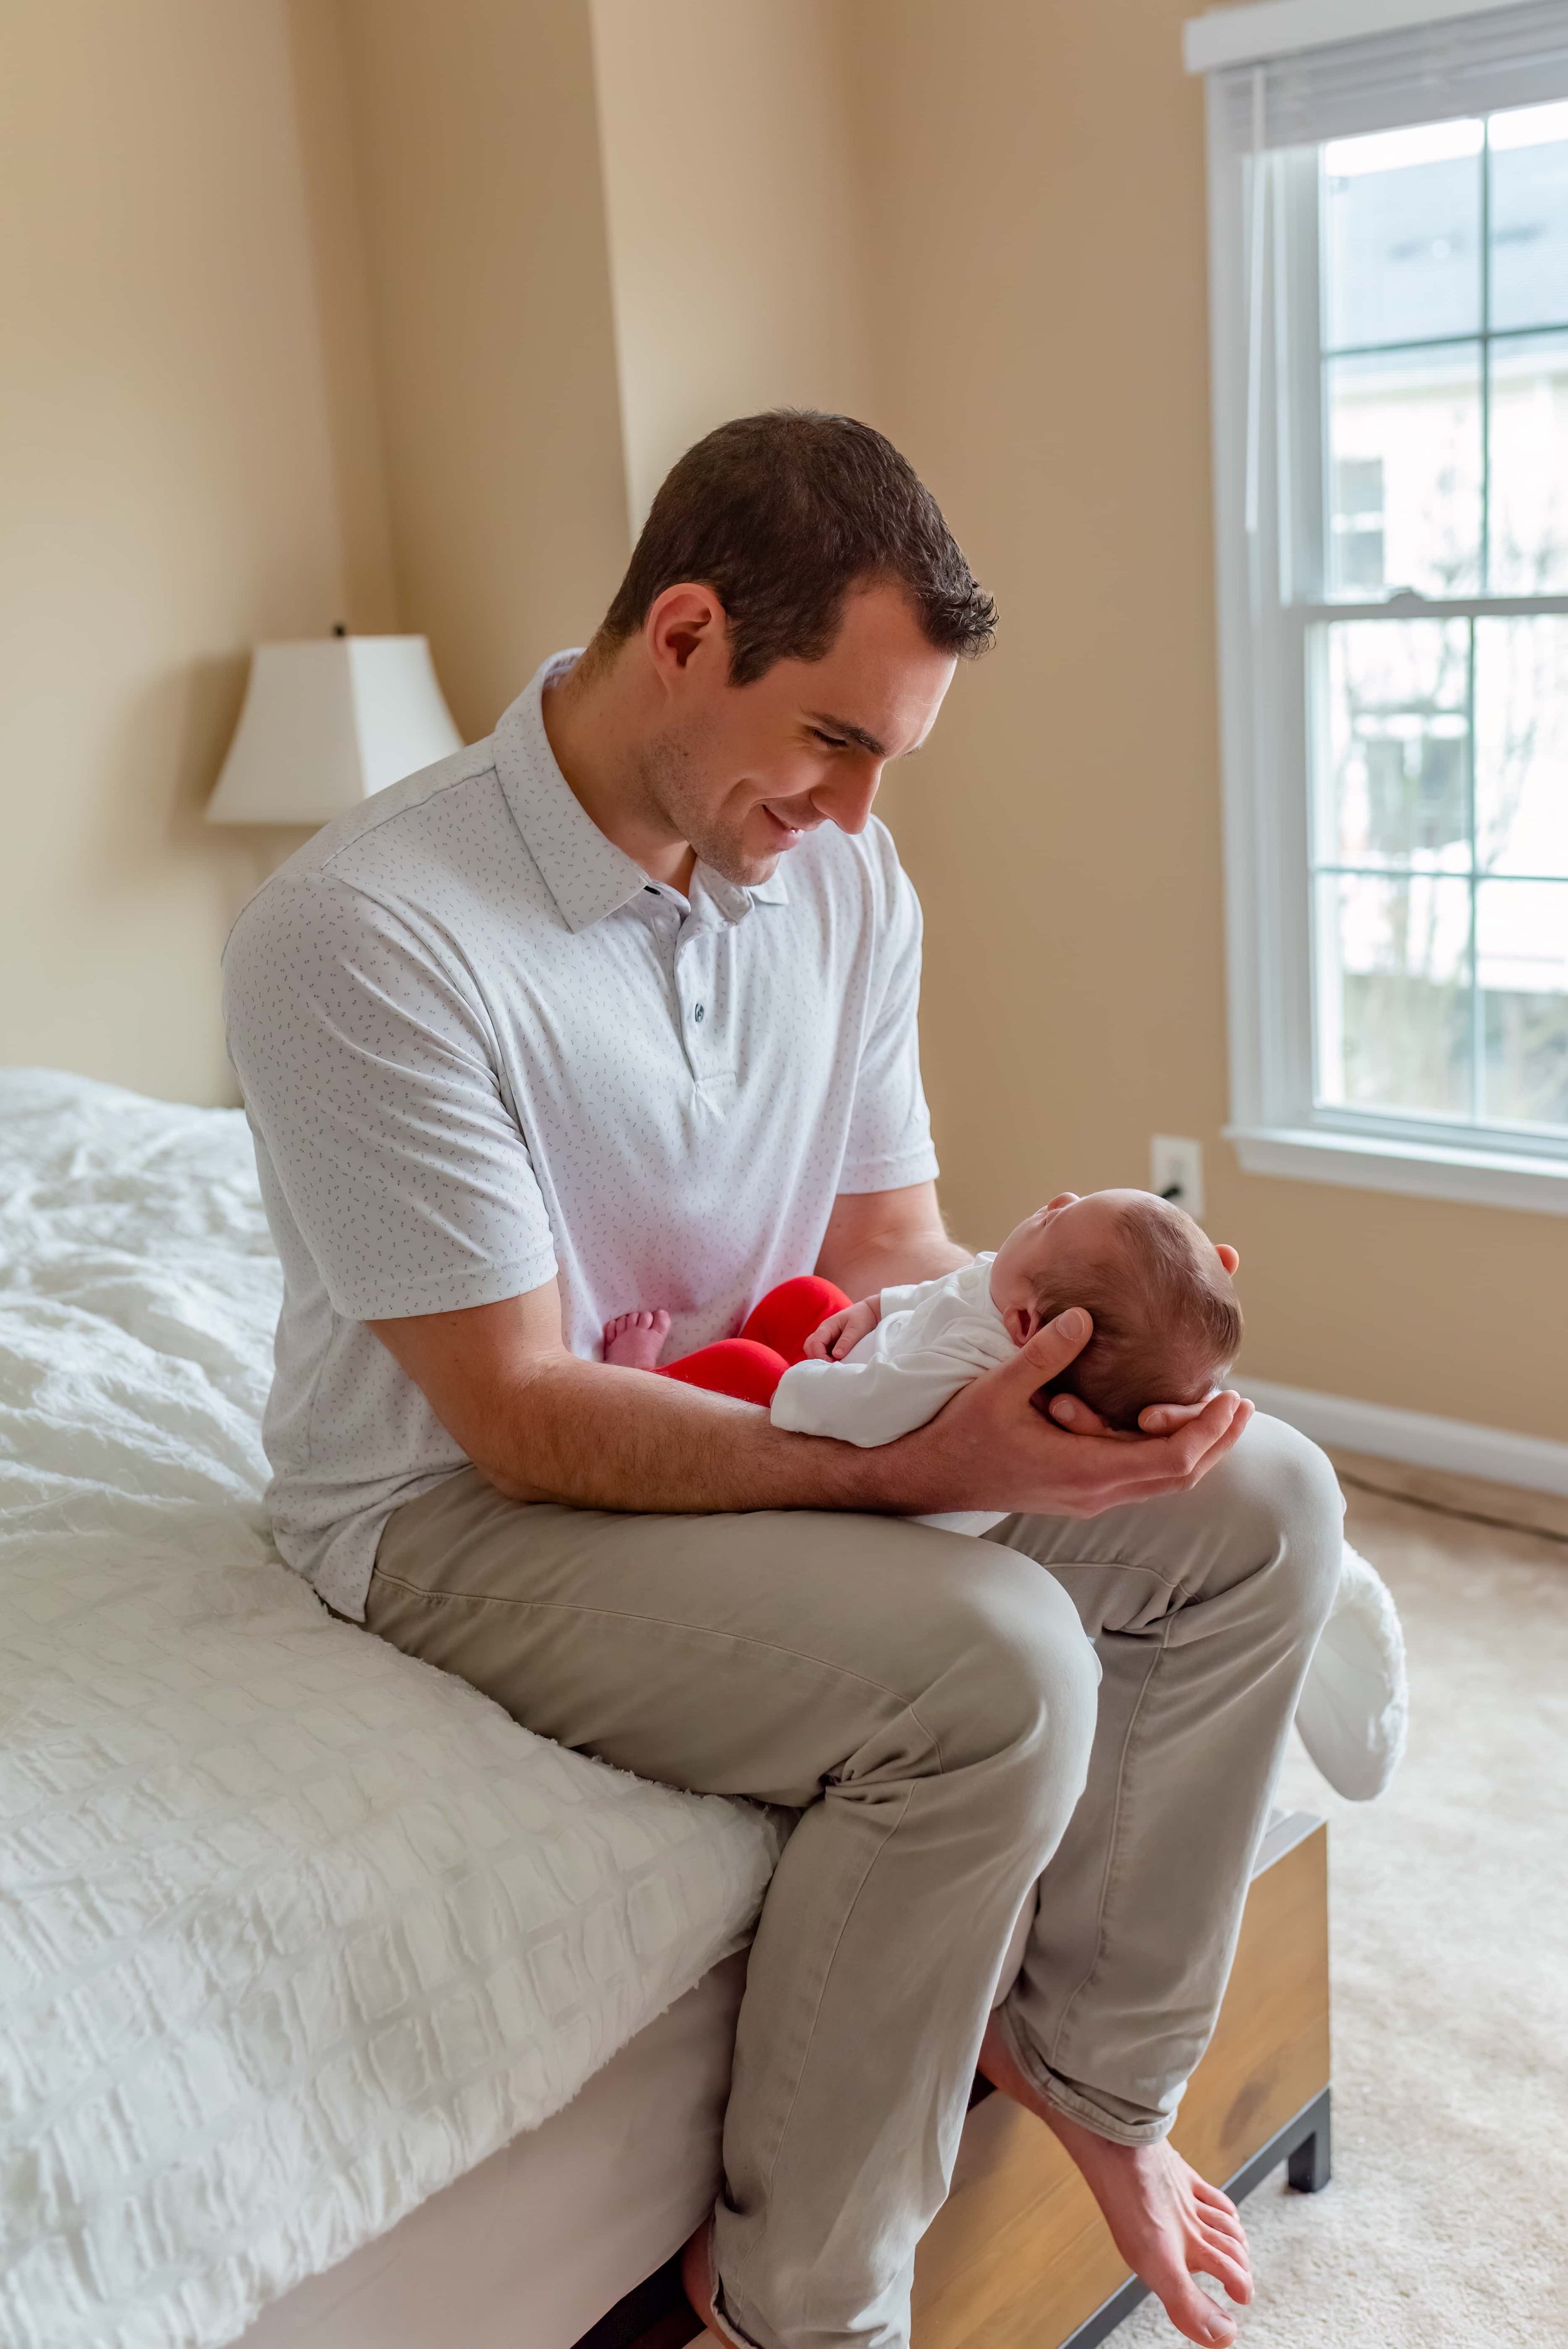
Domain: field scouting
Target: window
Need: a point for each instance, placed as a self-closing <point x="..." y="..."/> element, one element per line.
<point x="1391" y="293"/>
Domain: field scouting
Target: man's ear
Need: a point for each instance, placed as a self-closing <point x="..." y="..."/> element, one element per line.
<point x="686" y="621"/>
<point x="1020" y="1322"/>
<point x="1228" y="1256"/>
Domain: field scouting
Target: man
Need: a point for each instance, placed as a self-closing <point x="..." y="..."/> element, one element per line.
<point x="618" y="1008"/>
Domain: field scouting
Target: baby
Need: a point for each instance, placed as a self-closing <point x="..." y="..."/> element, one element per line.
<point x="1166" y="1321"/>
<point x="1166" y="1327"/>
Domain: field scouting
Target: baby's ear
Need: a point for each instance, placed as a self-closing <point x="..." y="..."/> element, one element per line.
<point x="1020" y="1322"/>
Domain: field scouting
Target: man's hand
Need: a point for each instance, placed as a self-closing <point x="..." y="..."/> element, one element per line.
<point x="831" y="1339"/>
<point x="992" y="1449"/>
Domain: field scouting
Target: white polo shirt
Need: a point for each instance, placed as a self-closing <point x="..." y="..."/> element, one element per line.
<point x="481" y="1049"/>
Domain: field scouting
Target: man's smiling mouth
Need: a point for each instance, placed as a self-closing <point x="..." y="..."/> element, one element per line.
<point x="789" y="834"/>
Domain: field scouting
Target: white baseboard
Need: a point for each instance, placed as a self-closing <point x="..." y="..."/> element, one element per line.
<point x="1416" y="1437"/>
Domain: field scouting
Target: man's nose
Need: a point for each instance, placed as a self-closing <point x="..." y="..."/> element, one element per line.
<point x="846" y="799"/>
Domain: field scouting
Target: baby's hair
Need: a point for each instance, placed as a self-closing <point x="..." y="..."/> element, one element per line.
<point x="1166" y="1321"/>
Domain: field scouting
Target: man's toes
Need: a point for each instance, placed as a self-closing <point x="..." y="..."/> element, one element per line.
<point x="1213" y="2197"/>
<point x="1192" y="2311"/>
<point x="1217" y="2258"/>
<point x="1225" y="2224"/>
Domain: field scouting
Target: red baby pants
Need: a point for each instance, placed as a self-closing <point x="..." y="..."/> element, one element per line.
<point x="749" y="1367"/>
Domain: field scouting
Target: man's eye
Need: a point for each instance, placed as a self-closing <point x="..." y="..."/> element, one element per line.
<point x="834" y="742"/>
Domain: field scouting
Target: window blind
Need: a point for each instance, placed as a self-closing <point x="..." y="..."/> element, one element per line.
<point x="1422" y="73"/>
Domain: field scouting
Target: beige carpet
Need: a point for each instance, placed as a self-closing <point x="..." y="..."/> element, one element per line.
<point x="1446" y="2226"/>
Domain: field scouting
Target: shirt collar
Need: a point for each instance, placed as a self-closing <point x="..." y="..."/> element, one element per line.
<point x="588" y="876"/>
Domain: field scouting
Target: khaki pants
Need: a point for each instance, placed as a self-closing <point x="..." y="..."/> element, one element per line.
<point x="953" y="1724"/>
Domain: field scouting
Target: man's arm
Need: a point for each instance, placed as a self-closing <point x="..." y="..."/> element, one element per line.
<point x="887" y="1239"/>
<point x="544" y="1426"/>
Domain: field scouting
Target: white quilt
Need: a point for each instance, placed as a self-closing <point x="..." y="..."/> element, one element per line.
<point x="292" y="1930"/>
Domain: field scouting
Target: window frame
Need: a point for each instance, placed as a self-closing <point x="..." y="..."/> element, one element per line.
<point x="1266" y="417"/>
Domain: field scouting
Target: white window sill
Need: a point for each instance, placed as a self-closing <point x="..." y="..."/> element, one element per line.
<point x="1484" y="1178"/>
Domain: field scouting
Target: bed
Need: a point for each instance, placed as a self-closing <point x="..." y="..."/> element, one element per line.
<point x="336" y="2010"/>
<point x="298" y="1936"/>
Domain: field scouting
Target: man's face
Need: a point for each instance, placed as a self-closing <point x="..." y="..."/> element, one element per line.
<point x="743" y="773"/>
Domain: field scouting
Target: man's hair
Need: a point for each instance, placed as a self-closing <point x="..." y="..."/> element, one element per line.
<point x="781" y="515"/>
<point x="1166" y="1321"/>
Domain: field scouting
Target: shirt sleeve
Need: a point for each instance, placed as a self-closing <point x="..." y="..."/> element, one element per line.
<point x="864" y="1403"/>
<point x="913" y="1293"/>
<point x="889" y="1141"/>
<point x="370" y="1077"/>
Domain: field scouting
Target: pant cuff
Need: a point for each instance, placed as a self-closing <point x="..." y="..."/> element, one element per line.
<point x="723" y="2323"/>
<point x="1078" y="2108"/>
<point x="1072" y="2103"/>
<point x="726" y="2330"/>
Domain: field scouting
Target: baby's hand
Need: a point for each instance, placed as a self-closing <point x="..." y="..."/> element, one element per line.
<point x="831" y="1339"/>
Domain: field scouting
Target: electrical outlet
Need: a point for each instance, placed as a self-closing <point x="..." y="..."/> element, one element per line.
<point x="1176" y="1172"/>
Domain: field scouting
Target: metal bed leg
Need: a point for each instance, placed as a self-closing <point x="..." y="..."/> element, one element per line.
<point x="1311" y="2164"/>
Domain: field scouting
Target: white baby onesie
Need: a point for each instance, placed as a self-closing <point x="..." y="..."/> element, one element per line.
<point x="932" y="1339"/>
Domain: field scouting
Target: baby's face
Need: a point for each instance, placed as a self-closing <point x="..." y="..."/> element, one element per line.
<point x="1066" y="1231"/>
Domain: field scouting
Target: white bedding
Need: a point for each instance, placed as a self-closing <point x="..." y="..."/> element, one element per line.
<point x="293" y="1931"/>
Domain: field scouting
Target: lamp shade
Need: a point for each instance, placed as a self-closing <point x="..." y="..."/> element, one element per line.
<point x="327" y="722"/>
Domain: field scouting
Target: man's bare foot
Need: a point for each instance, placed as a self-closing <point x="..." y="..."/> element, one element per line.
<point x="632" y="1341"/>
<point x="696" y="2282"/>
<point x="1167" y="2223"/>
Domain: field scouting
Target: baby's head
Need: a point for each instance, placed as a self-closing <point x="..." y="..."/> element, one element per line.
<point x="1166" y="1321"/>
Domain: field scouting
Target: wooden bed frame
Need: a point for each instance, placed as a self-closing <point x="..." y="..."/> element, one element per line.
<point x="1018" y="2257"/>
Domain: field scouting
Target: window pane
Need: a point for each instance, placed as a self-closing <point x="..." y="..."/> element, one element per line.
<point x="1522" y="746"/>
<point x="1529" y="217"/>
<point x="1405" y="472"/>
<point x="1394" y="1025"/>
<point x="1521" y="953"/>
<point x="1393" y="787"/>
<point x="1528" y="435"/>
<point x="1401" y="215"/>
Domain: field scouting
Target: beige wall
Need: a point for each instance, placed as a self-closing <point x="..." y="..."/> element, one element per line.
<point x="476" y="138"/>
<point x="166" y="495"/>
<point x="1037" y="175"/>
<point x="736" y="216"/>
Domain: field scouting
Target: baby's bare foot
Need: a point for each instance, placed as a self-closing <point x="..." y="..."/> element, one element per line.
<point x="1167" y="2223"/>
<point x="632" y="1341"/>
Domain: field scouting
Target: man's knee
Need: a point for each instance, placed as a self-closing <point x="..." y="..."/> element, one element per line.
<point x="1282" y="1503"/>
<point x="1018" y="1677"/>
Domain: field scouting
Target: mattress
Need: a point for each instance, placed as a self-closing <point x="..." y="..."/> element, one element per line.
<point x="295" y="1931"/>
<point x="530" y="2249"/>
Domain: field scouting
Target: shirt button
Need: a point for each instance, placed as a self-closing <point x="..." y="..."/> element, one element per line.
<point x="700" y="1013"/>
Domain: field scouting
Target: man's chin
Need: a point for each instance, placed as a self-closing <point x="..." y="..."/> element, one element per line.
<point x="738" y="866"/>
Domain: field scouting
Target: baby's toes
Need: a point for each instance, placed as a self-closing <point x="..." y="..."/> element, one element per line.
<point x="661" y="1322"/>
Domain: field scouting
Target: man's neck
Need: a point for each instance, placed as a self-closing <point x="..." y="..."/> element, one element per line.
<point x="593" y="717"/>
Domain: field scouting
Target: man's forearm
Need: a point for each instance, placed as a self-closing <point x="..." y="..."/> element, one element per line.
<point x="864" y="1262"/>
<point x="896" y="1263"/>
<point x="887" y="1239"/>
<point x="603" y="1438"/>
<point x="544" y="1426"/>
